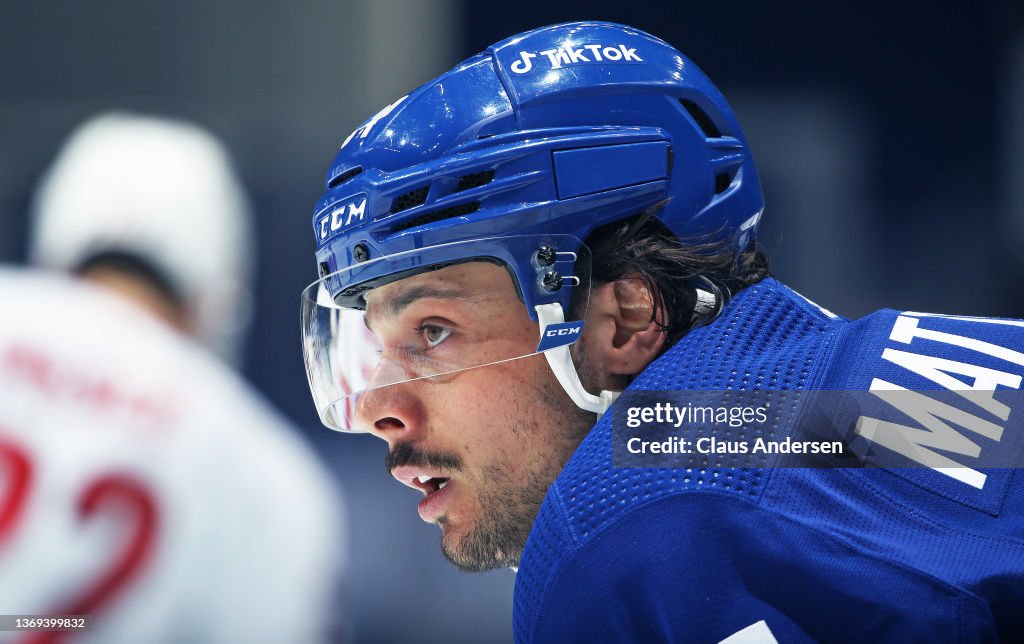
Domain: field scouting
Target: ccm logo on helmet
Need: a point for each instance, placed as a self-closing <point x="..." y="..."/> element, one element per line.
<point x="556" y="335"/>
<point x="340" y="215"/>
<point x="553" y="332"/>
<point x="575" y="55"/>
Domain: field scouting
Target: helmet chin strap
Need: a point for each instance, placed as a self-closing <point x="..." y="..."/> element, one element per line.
<point x="562" y="366"/>
<point x="565" y="371"/>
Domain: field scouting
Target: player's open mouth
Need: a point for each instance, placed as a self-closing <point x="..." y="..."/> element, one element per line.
<point x="435" y="487"/>
<point x="437" y="490"/>
<point x="430" y="484"/>
<point x="416" y="478"/>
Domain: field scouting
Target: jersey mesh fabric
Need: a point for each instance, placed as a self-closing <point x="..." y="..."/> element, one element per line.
<point x="910" y="553"/>
<point x="767" y="338"/>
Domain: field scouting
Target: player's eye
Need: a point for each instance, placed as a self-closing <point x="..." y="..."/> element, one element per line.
<point x="434" y="334"/>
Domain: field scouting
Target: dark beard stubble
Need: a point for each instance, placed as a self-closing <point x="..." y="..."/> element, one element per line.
<point x="509" y="507"/>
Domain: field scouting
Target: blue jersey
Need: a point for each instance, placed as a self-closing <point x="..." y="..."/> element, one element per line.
<point x="932" y="553"/>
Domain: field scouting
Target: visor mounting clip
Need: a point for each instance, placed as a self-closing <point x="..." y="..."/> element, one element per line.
<point x="545" y="256"/>
<point x="552" y="281"/>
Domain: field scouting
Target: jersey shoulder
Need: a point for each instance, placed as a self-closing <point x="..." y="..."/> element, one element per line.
<point x="771" y="338"/>
<point x="767" y="337"/>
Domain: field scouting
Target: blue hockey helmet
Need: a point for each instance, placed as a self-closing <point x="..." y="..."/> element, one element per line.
<point x="518" y="153"/>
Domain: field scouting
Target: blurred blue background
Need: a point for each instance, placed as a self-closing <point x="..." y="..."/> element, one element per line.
<point x="889" y="136"/>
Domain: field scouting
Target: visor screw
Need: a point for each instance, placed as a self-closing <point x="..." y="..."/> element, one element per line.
<point x="325" y="269"/>
<point x="552" y="281"/>
<point x="545" y="256"/>
<point x="360" y="253"/>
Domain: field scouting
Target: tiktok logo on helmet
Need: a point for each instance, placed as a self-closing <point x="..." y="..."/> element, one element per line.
<point x="573" y="55"/>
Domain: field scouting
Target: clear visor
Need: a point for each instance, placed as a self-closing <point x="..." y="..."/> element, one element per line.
<point x="446" y="315"/>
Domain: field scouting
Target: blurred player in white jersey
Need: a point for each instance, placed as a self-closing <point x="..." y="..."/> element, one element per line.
<point x="142" y="482"/>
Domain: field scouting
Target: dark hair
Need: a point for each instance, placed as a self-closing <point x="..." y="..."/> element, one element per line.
<point x="131" y="264"/>
<point x="674" y="268"/>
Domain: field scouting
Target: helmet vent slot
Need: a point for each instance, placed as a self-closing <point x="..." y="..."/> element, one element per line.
<point x="410" y="199"/>
<point x="343" y="177"/>
<point x="439" y="215"/>
<point x="475" y="180"/>
<point x="704" y="121"/>
<point x="722" y="182"/>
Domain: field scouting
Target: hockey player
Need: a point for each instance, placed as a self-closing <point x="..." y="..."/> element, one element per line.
<point x="143" y="485"/>
<point x="585" y="185"/>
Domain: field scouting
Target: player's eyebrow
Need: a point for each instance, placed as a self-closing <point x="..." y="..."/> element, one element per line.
<point x="393" y="306"/>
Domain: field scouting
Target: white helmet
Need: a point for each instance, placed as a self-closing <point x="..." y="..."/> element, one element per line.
<point x="161" y="190"/>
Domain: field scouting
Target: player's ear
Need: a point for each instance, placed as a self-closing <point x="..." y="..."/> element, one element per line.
<point x="621" y="336"/>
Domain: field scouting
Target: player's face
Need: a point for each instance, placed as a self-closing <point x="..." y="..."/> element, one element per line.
<point x="483" y="445"/>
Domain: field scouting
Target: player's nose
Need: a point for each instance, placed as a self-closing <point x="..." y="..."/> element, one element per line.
<point x="391" y="412"/>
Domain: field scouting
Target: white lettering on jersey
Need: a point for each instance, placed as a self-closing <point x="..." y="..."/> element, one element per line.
<point x="978" y="386"/>
<point x="574" y="55"/>
<point x="756" y="633"/>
